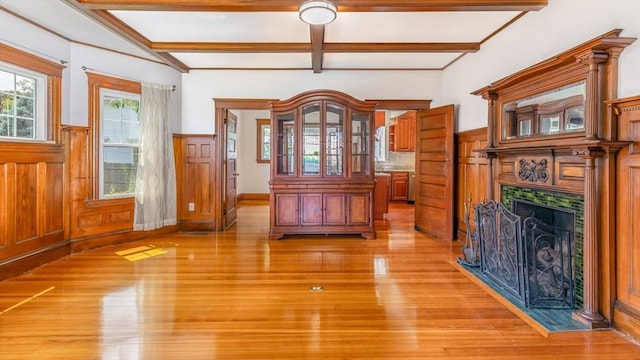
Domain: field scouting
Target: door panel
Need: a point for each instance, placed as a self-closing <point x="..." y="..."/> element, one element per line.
<point x="286" y="209"/>
<point x="334" y="209"/>
<point x="359" y="209"/>
<point x="230" y="163"/>
<point x="310" y="209"/>
<point x="434" y="201"/>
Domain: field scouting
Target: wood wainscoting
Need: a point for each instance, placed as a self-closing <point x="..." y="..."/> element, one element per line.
<point x="626" y="312"/>
<point x="32" y="204"/>
<point x="473" y="172"/>
<point x="95" y="222"/>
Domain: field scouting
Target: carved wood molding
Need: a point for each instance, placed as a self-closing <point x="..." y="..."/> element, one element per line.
<point x="533" y="171"/>
<point x="589" y="152"/>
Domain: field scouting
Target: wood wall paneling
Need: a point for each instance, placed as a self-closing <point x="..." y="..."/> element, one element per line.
<point x="32" y="202"/>
<point x="472" y="170"/>
<point x="626" y="313"/>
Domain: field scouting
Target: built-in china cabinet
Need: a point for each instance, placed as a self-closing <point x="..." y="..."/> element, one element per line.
<point x="322" y="165"/>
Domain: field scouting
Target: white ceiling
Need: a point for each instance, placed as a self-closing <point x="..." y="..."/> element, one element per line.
<point x="215" y="39"/>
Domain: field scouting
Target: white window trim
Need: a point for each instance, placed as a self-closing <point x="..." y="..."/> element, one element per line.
<point x="41" y="117"/>
<point x="119" y="94"/>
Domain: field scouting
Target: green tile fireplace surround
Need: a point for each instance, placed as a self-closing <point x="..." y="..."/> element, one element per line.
<point x="560" y="200"/>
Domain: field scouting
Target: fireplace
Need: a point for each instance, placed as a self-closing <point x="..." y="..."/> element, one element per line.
<point x="527" y="252"/>
<point x="548" y="252"/>
<point x="549" y="132"/>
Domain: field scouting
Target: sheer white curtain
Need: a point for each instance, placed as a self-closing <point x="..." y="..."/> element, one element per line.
<point x="156" y="175"/>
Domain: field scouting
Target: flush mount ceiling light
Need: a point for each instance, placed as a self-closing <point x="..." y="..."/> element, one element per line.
<point x="317" y="12"/>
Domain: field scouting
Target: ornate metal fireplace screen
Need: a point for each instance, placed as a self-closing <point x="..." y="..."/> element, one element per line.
<point x="530" y="260"/>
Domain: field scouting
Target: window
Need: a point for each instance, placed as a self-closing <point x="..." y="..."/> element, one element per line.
<point x="115" y="105"/>
<point x="264" y="140"/>
<point x="28" y="86"/>
<point x="120" y="140"/>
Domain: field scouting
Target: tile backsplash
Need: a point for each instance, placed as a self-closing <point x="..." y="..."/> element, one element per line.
<point x="398" y="161"/>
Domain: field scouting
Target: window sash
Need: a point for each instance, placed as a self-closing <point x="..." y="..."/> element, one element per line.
<point x="119" y="142"/>
<point x="23" y="112"/>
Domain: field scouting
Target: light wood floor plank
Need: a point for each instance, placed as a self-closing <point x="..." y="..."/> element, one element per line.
<point x="237" y="295"/>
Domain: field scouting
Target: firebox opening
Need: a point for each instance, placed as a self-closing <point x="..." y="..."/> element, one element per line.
<point x="549" y="250"/>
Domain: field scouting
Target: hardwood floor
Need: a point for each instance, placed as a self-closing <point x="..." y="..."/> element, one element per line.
<point x="237" y="295"/>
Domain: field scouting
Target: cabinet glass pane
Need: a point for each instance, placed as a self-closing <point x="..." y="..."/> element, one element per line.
<point x="285" y="144"/>
<point x="360" y="144"/>
<point x="334" y="140"/>
<point x="311" y="139"/>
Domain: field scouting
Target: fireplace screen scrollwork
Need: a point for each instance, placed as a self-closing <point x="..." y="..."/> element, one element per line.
<point x="501" y="254"/>
<point x="525" y="258"/>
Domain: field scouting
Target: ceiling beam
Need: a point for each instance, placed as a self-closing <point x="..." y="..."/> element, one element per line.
<point x="401" y="47"/>
<point x="125" y="31"/>
<point x="232" y="47"/>
<point x="292" y="5"/>
<point x="317" y="42"/>
<point x="270" y="47"/>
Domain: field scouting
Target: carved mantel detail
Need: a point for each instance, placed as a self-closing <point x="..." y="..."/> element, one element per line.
<point x="533" y="171"/>
<point x="535" y="142"/>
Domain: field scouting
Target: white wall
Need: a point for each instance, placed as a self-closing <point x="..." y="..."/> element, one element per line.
<point x="24" y="36"/>
<point x="120" y="66"/>
<point x="539" y="35"/>
<point x="254" y="176"/>
<point x="201" y="86"/>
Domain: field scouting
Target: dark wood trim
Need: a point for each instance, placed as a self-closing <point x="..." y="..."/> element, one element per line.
<point x="400" y="104"/>
<point x="95" y="83"/>
<point x="317" y="45"/>
<point x="243" y="104"/>
<point x="97" y="241"/>
<point x="259" y="124"/>
<point x="292" y="5"/>
<point x="253" y="196"/>
<point x="267" y="47"/>
<point x="400" y="47"/>
<point x="26" y="262"/>
<point x="233" y="47"/>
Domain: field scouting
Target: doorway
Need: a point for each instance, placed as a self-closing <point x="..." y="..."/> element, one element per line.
<point x="430" y="119"/>
<point x="231" y="153"/>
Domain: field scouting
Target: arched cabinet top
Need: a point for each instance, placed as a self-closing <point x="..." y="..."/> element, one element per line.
<point x="323" y="94"/>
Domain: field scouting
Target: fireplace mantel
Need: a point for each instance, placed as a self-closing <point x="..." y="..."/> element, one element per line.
<point x="549" y="129"/>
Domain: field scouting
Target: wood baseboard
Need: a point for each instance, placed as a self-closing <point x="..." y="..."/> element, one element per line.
<point x="253" y="196"/>
<point x="627" y="320"/>
<point x="31" y="261"/>
<point x="87" y="243"/>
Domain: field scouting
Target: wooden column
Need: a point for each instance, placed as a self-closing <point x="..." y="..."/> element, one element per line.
<point x="492" y="98"/>
<point x="592" y="103"/>
<point x="590" y="312"/>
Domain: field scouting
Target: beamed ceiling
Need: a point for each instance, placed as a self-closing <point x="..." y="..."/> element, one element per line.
<point x="267" y="34"/>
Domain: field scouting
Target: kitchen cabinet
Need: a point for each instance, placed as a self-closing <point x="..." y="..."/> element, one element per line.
<point x="402" y="135"/>
<point x="322" y="173"/>
<point x="399" y="189"/>
<point x="381" y="196"/>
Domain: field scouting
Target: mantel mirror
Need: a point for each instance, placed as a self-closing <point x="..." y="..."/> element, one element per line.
<point x="554" y="112"/>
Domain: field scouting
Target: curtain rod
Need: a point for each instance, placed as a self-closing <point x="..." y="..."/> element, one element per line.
<point x="33" y="51"/>
<point x="85" y="68"/>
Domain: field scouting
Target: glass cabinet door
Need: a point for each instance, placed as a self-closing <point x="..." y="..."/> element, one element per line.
<point x="285" y="144"/>
<point x="334" y="139"/>
<point x="360" y="129"/>
<point x="311" y="139"/>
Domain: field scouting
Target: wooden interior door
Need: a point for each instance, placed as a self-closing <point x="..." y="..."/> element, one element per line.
<point x="231" y="174"/>
<point x="434" y="181"/>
